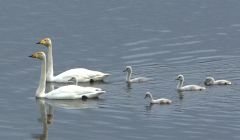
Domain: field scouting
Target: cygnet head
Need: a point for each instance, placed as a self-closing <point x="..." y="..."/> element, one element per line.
<point x="180" y="77"/>
<point x="128" y="69"/>
<point x="209" y="81"/>
<point x="39" y="55"/>
<point x="147" y="95"/>
<point x="74" y="80"/>
<point x="45" y="42"/>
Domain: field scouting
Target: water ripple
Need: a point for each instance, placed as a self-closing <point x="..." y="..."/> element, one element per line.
<point x="182" y="43"/>
<point x="135" y="56"/>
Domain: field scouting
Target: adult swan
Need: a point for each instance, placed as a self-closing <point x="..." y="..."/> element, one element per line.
<point x="83" y="75"/>
<point x="64" y="92"/>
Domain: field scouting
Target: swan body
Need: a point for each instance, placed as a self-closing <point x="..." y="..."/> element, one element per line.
<point x="74" y="92"/>
<point x="65" y="92"/>
<point x="83" y="75"/>
<point x="157" y="101"/>
<point x="129" y="78"/>
<point x="211" y="81"/>
<point x="180" y="86"/>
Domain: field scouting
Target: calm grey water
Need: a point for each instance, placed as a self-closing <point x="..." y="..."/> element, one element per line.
<point x="159" y="38"/>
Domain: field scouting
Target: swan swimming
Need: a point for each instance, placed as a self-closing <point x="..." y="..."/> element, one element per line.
<point x="64" y="92"/>
<point x="83" y="75"/>
<point x="180" y="86"/>
<point x="211" y="81"/>
<point x="134" y="80"/>
<point x="157" y="101"/>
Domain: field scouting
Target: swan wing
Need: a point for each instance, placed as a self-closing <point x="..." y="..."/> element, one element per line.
<point x="83" y="75"/>
<point x="163" y="101"/>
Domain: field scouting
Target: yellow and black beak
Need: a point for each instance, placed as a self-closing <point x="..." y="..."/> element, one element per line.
<point x="42" y="42"/>
<point x="32" y="56"/>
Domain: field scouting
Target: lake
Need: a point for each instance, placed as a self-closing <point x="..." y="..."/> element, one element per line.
<point x="159" y="39"/>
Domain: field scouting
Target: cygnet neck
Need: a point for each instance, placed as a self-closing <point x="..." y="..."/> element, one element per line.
<point x="180" y="83"/>
<point x="129" y="75"/>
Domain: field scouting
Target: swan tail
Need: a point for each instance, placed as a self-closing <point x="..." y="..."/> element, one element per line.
<point x="101" y="77"/>
<point x="93" y="94"/>
<point x="106" y="74"/>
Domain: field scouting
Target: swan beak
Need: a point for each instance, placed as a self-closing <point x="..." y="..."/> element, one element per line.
<point x="125" y="70"/>
<point x="38" y="42"/>
<point x="33" y="56"/>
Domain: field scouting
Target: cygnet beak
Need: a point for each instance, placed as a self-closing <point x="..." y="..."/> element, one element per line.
<point x="70" y="80"/>
<point x="125" y="70"/>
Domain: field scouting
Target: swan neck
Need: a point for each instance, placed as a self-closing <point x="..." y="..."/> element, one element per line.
<point x="50" y="64"/>
<point x="180" y="84"/>
<point x="42" y="83"/>
<point x="129" y="75"/>
<point x="151" y="97"/>
<point x="76" y="81"/>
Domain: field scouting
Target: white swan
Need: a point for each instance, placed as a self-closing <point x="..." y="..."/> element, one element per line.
<point x="211" y="81"/>
<point x="134" y="80"/>
<point x="83" y="75"/>
<point x="64" y="92"/>
<point x="180" y="86"/>
<point x="157" y="101"/>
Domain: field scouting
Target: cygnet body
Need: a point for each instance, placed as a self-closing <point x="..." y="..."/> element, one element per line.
<point x="211" y="81"/>
<point x="129" y="78"/>
<point x="157" y="101"/>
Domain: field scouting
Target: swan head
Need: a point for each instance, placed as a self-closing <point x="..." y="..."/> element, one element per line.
<point x="180" y="77"/>
<point x="128" y="69"/>
<point x="209" y="81"/>
<point x="45" y="42"/>
<point x="39" y="55"/>
<point x="147" y="95"/>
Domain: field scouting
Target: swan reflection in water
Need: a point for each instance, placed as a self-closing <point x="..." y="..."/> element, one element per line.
<point x="45" y="118"/>
<point x="46" y="109"/>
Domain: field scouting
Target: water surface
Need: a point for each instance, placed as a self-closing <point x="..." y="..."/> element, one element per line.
<point x="159" y="38"/>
